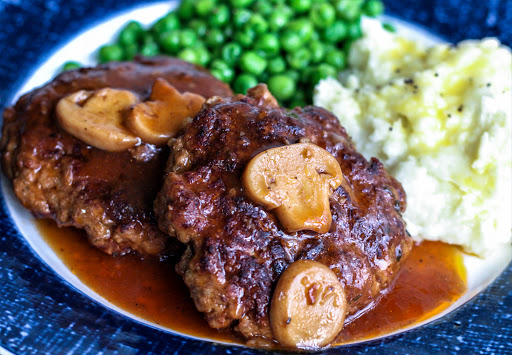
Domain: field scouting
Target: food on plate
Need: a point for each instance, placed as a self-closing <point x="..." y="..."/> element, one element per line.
<point x="439" y="118"/>
<point x="109" y="190"/>
<point x="296" y="181"/>
<point x="237" y="249"/>
<point x="96" y="118"/>
<point x="307" y="309"/>
<point x="164" y="114"/>
<point x="290" y="45"/>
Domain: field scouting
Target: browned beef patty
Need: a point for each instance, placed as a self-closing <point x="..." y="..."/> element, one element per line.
<point x="110" y="195"/>
<point x="236" y="249"/>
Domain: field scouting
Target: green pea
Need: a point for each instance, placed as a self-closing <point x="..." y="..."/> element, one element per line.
<point x="291" y="41"/>
<point x="317" y="50"/>
<point x="186" y="9"/>
<point x="323" y="15"/>
<point x="214" y="38"/>
<point x="146" y="37"/>
<point x="241" y="17"/>
<point x="315" y="36"/>
<point x="130" y="33"/>
<point x="373" y="8"/>
<point x="170" y="42"/>
<point x="348" y="9"/>
<point x="166" y="24"/>
<point x="245" y="37"/>
<point x="336" y="58"/>
<point x="220" y="16"/>
<point x="300" y="5"/>
<point x="354" y="30"/>
<point x="187" y="38"/>
<point x="268" y="43"/>
<point x="294" y="74"/>
<point x="228" y="31"/>
<point x="263" y="77"/>
<point x="135" y="27"/>
<point x="204" y="7"/>
<point x="279" y="18"/>
<point x="258" y="24"/>
<point x="222" y="71"/>
<point x="130" y="51"/>
<point x="321" y="72"/>
<point x="276" y="65"/>
<point x="71" y="65"/>
<point x="244" y="82"/>
<point x="203" y="56"/>
<point x="188" y="55"/>
<point x="303" y="27"/>
<point x="127" y="37"/>
<point x="389" y="27"/>
<point x="252" y="63"/>
<point x="282" y="86"/>
<point x="298" y="99"/>
<point x="110" y="53"/>
<point x="336" y="32"/>
<point x="264" y="8"/>
<point x="240" y="3"/>
<point x="149" y="49"/>
<point x="231" y="53"/>
<point x="299" y="59"/>
<point x="199" y="27"/>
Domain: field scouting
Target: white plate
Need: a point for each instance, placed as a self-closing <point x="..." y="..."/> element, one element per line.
<point x="83" y="48"/>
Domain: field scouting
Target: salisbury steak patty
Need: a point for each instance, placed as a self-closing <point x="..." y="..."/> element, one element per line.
<point x="236" y="249"/>
<point x="110" y="195"/>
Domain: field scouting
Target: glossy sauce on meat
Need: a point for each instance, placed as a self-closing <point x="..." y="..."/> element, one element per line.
<point x="109" y="194"/>
<point x="431" y="278"/>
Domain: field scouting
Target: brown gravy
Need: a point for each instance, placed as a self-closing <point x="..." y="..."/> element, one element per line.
<point x="432" y="277"/>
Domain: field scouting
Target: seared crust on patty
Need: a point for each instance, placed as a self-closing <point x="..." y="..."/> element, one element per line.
<point x="110" y="195"/>
<point x="237" y="249"/>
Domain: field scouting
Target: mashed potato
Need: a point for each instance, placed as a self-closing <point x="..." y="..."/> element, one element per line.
<point x="439" y="118"/>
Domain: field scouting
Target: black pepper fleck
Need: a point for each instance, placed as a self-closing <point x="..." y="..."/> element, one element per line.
<point x="436" y="74"/>
<point x="409" y="81"/>
<point x="398" y="253"/>
<point x="460" y="108"/>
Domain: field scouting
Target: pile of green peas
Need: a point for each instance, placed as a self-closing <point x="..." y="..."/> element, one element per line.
<point x="289" y="44"/>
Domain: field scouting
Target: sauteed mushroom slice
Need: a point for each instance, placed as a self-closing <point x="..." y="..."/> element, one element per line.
<point x="296" y="181"/>
<point x="96" y="117"/>
<point x="308" y="306"/>
<point x="164" y="114"/>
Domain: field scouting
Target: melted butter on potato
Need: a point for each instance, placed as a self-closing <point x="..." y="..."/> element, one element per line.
<point x="164" y="114"/>
<point x="296" y="181"/>
<point x="308" y="306"/>
<point x="96" y="117"/>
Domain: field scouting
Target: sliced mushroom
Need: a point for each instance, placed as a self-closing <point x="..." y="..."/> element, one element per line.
<point x="160" y="118"/>
<point x="96" y="117"/>
<point x="296" y="181"/>
<point x="308" y="306"/>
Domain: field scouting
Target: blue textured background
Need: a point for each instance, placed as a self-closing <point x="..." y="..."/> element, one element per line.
<point x="39" y="313"/>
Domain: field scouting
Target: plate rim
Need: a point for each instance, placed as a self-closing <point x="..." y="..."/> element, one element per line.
<point x="13" y="225"/>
